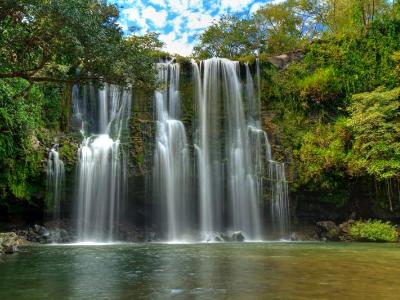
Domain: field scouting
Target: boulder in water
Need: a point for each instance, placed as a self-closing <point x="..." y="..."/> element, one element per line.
<point x="327" y="230"/>
<point x="237" y="236"/>
<point x="222" y="237"/>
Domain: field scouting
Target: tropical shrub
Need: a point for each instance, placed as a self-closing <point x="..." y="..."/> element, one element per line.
<point x="373" y="231"/>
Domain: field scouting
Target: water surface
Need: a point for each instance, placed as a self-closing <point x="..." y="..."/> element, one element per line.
<point x="203" y="271"/>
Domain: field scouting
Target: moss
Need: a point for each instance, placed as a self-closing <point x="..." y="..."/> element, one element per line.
<point x="68" y="152"/>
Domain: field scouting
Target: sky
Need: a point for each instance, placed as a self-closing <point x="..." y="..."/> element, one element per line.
<point x="179" y="22"/>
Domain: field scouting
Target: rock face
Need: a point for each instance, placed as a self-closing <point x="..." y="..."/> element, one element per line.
<point x="9" y="242"/>
<point x="283" y="60"/>
<point x="43" y="235"/>
<point x="327" y="230"/>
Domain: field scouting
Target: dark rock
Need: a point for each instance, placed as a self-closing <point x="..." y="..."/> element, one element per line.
<point x="238" y="236"/>
<point x="217" y="238"/>
<point x="222" y="237"/>
<point x="327" y="230"/>
<point x="345" y="231"/>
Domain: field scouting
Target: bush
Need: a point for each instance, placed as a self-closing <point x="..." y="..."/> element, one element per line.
<point x="373" y="231"/>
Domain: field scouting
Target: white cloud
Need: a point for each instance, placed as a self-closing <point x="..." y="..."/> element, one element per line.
<point x="235" y="5"/>
<point x="255" y="7"/>
<point x="187" y="18"/>
<point x="199" y="21"/>
<point x="158" y="2"/>
<point x="158" y="18"/>
<point x="134" y="15"/>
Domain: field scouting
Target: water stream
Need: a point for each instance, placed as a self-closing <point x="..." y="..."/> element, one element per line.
<point x="102" y="169"/>
<point x="171" y="157"/>
<point x="216" y="182"/>
<point x="55" y="182"/>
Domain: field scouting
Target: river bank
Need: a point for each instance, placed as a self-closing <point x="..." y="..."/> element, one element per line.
<point x="64" y="233"/>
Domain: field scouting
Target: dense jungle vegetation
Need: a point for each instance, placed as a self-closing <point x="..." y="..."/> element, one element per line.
<point x="332" y="112"/>
<point x="45" y="48"/>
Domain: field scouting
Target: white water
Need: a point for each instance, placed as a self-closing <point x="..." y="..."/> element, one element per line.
<point x="102" y="170"/>
<point x="171" y="156"/>
<point x="264" y="164"/>
<point x="223" y="152"/>
<point x="55" y="182"/>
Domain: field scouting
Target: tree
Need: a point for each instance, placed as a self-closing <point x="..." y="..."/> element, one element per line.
<point x="66" y="41"/>
<point x="285" y="25"/>
<point x="375" y="123"/>
<point x="230" y="37"/>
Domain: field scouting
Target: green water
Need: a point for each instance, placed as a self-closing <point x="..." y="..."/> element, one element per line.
<point x="203" y="271"/>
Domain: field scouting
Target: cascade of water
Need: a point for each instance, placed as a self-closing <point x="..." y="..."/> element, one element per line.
<point x="171" y="158"/>
<point x="222" y="133"/>
<point x="102" y="170"/>
<point x="207" y="146"/>
<point x="55" y="181"/>
<point x="263" y="162"/>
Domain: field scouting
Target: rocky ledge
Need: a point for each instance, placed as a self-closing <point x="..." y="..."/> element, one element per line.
<point x="9" y="242"/>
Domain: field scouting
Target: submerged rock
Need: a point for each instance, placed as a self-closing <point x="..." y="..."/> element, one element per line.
<point x="238" y="236"/>
<point x="327" y="231"/>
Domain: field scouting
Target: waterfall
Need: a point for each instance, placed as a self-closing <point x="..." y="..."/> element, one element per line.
<point x="171" y="158"/>
<point x="223" y="151"/>
<point x="55" y="182"/>
<point x="102" y="168"/>
<point x="263" y="162"/>
<point x="279" y="199"/>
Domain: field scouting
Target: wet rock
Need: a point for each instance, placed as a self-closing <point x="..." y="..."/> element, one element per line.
<point x="9" y="242"/>
<point x="222" y="237"/>
<point x="345" y="231"/>
<point x="151" y="236"/>
<point x="58" y="235"/>
<point x="41" y="230"/>
<point x="43" y="235"/>
<point x="303" y="236"/>
<point x="238" y="236"/>
<point x="130" y="233"/>
<point x="327" y="230"/>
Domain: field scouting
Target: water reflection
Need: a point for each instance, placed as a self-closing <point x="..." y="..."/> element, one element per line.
<point x="203" y="271"/>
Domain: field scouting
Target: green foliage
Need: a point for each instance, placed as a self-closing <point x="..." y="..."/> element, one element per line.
<point x="20" y="158"/>
<point x="46" y="47"/>
<point x="230" y="37"/>
<point x="373" y="231"/>
<point x="322" y="156"/>
<point x="71" y="40"/>
<point x="281" y="27"/>
<point x="320" y="88"/>
<point x="375" y="123"/>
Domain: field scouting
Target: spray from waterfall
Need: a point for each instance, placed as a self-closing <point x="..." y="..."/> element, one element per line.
<point x="102" y="170"/>
<point x="171" y="158"/>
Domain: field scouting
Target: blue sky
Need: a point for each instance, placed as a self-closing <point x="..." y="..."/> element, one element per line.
<point x="179" y="22"/>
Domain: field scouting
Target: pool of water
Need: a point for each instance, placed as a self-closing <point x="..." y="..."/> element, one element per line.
<point x="203" y="271"/>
